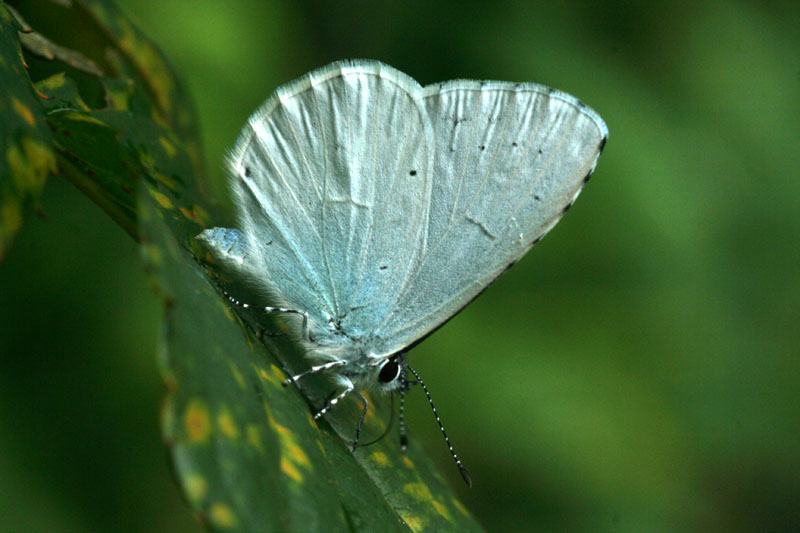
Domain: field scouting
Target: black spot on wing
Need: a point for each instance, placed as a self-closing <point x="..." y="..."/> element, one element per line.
<point x="586" y="178"/>
<point x="247" y="172"/>
<point x="412" y="173"/>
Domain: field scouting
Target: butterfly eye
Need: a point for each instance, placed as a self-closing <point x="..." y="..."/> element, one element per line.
<point x="389" y="372"/>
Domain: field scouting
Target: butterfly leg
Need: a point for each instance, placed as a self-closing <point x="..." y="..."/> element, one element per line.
<point x="361" y="419"/>
<point x="314" y="370"/>
<point x="349" y="388"/>
<point x="269" y="309"/>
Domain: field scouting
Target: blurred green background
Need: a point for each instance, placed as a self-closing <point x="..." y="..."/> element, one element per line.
<point x="638" y="371"/>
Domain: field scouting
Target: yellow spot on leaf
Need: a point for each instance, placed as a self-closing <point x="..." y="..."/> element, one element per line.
<point x="273" y="375"/>
<point x="254" y="437"/>
<point x="442" y="510"/>
<point x="419" y="491"/>
<point x="145" y="55"/>
<point x="227" y="424"/>
<point x="281" y="430"/>
<point x="197" y="421"/>
<point x="408" y="462"/>
<point x="22" y="111"/>
<point x="168" y="147"/>
<point x="51" y="84"/>
<point x="162" y="199"/>
<point x="415" y="522"/>
<point x="118" y="100"/>
<point x="194" y="214"/>
<point x="263" y="373"/>
<point x="288" y="468"/>
<point x="222" y="516"/>
<point x="31" y="165"/>
<point x="196" y="488"/>
<point x="460" y="506"/>
<point x="297" y="454"/>
<point x="168" y="182"/>
<point x="152" y="254"/>
<point x="381" y="459"/>
<point x="147" y="160"/>
<point x="56" y="81"/>
<point x="293" y="457"/>
<point x="269" y="376"/>
<point x="200" y="214"/>
<point x="84" y="118"/>
<point x="277" y="374"/>
<point x="237" y="376"/>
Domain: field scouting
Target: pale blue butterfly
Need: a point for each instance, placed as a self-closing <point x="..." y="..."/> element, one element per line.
<point x="376" y="209"/>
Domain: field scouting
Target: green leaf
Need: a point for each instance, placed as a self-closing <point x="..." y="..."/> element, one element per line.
<point x="116" y="112"/>
<point x="26" y="153"/>
<point x="151" y="68"/>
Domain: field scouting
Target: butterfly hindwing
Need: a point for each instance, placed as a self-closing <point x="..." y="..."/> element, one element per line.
<point x="509" y="159"/>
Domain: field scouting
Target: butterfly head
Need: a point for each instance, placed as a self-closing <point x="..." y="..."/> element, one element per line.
<point x="391" y="374"/>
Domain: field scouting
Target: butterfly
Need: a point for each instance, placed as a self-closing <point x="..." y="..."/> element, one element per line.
<point x="375" y="209"/>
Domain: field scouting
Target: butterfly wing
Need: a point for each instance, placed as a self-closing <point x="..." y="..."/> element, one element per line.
<point x="509" y="160"/>
<point x="332" y="180"/>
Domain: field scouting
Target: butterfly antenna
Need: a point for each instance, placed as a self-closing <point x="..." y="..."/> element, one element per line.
<point x="464" y="473"/>
<point x="403" y="436"/>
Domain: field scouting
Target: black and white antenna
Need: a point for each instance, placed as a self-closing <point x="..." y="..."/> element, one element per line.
<point x="461" y="468"/>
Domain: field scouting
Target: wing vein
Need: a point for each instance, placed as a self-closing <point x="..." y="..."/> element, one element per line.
<point x="545" y="167"/>
<point x="303" y="154"/>
<point x="326" y="177"/>
<point x="368" y="239"/>
<point x="384" y="206"/>
<point x="283" y="232"/>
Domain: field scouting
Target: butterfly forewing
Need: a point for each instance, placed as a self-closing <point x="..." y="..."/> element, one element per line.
<point x="333" y="183"/>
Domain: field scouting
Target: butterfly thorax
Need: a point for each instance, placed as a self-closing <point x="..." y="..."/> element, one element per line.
<point x="360" y="364"/>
